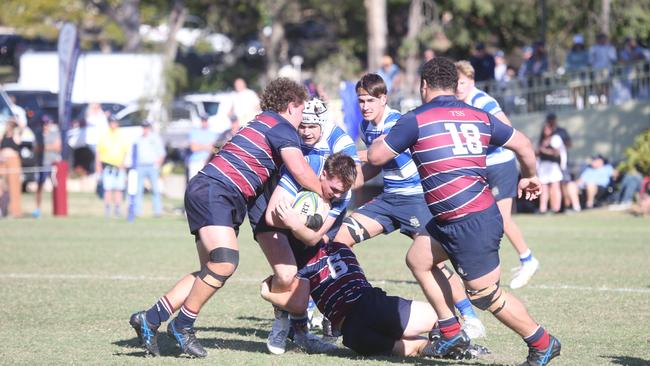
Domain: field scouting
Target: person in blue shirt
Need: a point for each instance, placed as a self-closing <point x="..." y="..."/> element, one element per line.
<point x="202" y="141"/>
<point x="593" y="181"/>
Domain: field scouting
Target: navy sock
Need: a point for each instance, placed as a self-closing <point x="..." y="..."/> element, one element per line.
<point x="449" y="327"/>
<point x="299" y="322"/>
<point x="159" y="312"/>
<point x="465" y="308"/>
<point x="186" y="318"/>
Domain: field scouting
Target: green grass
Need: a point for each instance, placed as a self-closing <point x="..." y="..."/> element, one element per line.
<point x="68" y="285"/>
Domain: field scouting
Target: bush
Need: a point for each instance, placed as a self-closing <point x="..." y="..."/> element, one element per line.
<point x="637" y="156"/>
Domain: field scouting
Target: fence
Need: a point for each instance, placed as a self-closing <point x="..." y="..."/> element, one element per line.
<point x="569" y="91"/>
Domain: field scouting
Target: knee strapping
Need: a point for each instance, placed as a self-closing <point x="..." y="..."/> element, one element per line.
<point x="447" y="272"/>
<point x="217" y="256"/>
<point x="491" y="298"/>
<point x="356" y="230"/>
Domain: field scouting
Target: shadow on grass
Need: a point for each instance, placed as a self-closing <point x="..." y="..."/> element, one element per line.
<point x="627" y="360"/>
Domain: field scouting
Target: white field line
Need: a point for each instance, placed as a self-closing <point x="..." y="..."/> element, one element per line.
<point x="37" y="276"/>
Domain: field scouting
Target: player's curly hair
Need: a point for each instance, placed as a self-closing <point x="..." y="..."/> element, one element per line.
<point x="440" y="73"/>
<point x="373" y="84"/>
<point x="341" y="166"/>
<point x="280" y="92"/>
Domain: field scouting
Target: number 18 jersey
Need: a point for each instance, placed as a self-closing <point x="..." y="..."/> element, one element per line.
<point x="448" y="140"/>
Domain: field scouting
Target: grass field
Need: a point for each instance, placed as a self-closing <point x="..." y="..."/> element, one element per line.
<point x="68" y="286"/>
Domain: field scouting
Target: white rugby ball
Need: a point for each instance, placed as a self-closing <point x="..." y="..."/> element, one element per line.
<point x="307" y="203"/>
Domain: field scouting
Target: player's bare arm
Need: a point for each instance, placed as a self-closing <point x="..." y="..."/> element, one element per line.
<point x="523" y="148"/>
<point x="300" y="170"/>
<point x="294" y="300"/>
<point x="379" y="153"/>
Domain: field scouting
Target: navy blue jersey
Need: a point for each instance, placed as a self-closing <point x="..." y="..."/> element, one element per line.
<point x="252" y="156"/>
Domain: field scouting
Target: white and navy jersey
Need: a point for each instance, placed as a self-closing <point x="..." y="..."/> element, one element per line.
<point x="401" y="173"/>
<point x="317" y="163"/>
<point x="482" y="100"/>
<point x="332" y="141"/>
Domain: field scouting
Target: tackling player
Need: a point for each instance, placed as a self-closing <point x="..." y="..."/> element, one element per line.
<point x="337" y="175"/>
<point x="216" y="200"/>
<point x="501" y="173"/>
<point x="449" y="140"/>
<point x="320" y="138"/>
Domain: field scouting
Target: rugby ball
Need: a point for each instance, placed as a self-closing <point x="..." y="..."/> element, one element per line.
<point x="307" y="203"/>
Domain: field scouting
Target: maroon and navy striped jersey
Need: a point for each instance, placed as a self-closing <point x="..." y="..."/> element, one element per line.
<point x="252" y="156"/>
<point x="336" y="280"/>
<point x="448" y="140"/>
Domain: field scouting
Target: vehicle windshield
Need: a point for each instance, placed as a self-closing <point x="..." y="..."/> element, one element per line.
<point x="211" y="108"/>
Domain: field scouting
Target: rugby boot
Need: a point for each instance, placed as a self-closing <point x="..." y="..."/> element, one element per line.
<point x="186" y="340"/>
<point x="457" y="344"/>
<point x="277" y="341"/>
<point x="542" y="358"/>
<point x="147" y="334"/>
<point x="312" y="343"/>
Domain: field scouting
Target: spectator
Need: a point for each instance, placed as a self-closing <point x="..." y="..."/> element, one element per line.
<point x="245" y="105"/>
<point x="10" y="169"/>
<point x="150" y="156"/>
<point x="522" y="73"/>
<point x="51" y="150"/>
<point x="594" y="181"/>
<point x="483" y="64"/>
<point x="537" y="65"/>
<point x="631" y="52"/>
<point x="110" y="159"/>
<point x="390" y="73"/>
<point x="551" y="120"/>
<point x="551" y="156"/>
<point x="19" y="112"/>
<point x="500" y="67"/>
<point x="578" y="58"/>
<point x="602" y="55"/>
<point x="202" y="141"/>
<point x="630" y="185"/>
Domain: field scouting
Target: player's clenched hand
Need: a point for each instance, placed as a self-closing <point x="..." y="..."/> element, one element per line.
<point x="288" y="216"/>
<point x="531" y="187"/>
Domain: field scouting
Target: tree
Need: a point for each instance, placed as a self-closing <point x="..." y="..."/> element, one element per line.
<point x="127" y="15"/>
<point x="377" y="31"/>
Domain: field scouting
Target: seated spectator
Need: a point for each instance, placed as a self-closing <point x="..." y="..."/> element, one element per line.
<point x="594" y="181"/>
<point x="629" y="186"/>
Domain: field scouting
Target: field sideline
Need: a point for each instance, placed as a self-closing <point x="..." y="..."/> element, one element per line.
<point x="68" y="286"/>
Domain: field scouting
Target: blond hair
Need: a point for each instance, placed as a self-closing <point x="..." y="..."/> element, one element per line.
<point x="465" y="68"/>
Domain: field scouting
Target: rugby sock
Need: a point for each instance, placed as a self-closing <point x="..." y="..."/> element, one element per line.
<point x="526" y="256"/>
<point x="186" y="317"/>
<point x="538" y="340"/>
<point x="465" y="308"/>
<point x="299" y="322"/>
<point x="449" y="327"/>
<point x="159" y="312"/>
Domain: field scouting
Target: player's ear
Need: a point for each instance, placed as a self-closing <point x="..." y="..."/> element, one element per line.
<point x="383" y="99"/>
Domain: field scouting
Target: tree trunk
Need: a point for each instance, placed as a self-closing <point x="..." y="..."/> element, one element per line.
<point x="377" y="32"/>
<point x="275" y="43"/>
<point x="604" y="16"/>
<point x="127" y="17"/>
<point x="411" y="45"/>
